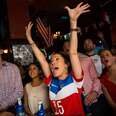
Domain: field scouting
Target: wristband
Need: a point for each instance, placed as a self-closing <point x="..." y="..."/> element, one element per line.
<point x="32" y="43"/>
<point x="75" y="29"/>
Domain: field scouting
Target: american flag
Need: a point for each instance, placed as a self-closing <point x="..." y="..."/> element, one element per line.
<point x="45" y="31"/>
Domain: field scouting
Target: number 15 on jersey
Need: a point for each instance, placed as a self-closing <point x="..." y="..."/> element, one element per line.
<point x="59" y="110"/>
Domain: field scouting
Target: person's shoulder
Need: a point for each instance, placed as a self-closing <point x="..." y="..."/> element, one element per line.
<point x="12" y="65"/>
<point x="96" y="56"/>
<point x="43" y="84"/>
<point x="9" y="63"/>
<point x="85" y="58"/>
<point x="27" y="85"/>
<point x="81" y="55"/>
<point x="28" y="88"/>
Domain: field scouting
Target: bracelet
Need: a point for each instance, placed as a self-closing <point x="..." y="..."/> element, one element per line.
<point x="75" y="29"/>
<point x="32" y="43"/>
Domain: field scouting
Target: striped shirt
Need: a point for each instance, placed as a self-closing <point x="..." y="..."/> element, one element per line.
<point x="91" y="81"/>
<point x="11" y="86"/>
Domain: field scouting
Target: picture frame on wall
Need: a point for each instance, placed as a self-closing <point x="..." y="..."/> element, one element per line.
<point x="22" y="53"/>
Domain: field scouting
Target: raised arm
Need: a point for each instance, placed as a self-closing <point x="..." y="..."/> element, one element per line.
<point x="74" y="15"/>
<point x="39" y="55"/>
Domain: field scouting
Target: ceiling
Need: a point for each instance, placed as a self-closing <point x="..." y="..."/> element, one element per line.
<point x="57" y="15"/>
<point x="57" y="6"/>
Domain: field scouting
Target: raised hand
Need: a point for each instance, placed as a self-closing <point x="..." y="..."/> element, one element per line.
<point x="28" y="32"/>
<point x="39" y="55"/>
<point x="77" y="11"/>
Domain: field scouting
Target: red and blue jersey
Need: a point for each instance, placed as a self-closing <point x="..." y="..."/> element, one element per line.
<point x="65" y="96"/>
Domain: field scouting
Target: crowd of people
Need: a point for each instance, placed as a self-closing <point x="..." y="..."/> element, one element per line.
<point x="70" y="83"/>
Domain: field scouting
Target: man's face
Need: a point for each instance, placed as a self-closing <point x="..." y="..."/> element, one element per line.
<point x="66" y="47"/>
<point x="89" y="45"/>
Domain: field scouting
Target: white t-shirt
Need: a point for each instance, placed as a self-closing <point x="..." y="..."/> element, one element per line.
<point x="97" y="61"/>
<point x="36" y="94"/>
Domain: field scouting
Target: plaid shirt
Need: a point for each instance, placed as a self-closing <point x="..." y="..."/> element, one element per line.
<point x="10" y="85"/>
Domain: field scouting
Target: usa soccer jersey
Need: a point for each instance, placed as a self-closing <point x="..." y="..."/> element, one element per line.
<point x="65" y="96"/>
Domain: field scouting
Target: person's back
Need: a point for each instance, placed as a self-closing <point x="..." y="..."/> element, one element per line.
<point x="10" y="85"/>
<point x="8" y="75"/>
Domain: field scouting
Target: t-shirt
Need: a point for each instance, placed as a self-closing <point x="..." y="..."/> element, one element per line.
<point x="65" y="96"/>
<point x="97" y="61"/>
<point x="110" y="86"/>
<point x="36" y="94"/>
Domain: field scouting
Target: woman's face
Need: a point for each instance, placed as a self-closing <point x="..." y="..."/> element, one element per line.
<point x="33" y="71"/>
<point x="58" y="65"/>
<point x="107" y="58"/>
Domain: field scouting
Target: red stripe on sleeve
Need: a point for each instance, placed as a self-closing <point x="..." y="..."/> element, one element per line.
<point x="78" y="80"/>
<point x="48" y="79"/>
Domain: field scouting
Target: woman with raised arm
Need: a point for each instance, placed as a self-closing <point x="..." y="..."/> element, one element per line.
<point x="64" y="87"/>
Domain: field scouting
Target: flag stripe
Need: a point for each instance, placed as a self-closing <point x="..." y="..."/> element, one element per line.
<point x="45" y="32"/>
<point x="42" y="32"/>
<point x="43" y="26"/>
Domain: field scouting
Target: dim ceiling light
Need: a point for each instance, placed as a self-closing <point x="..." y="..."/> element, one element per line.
<point x="6" y="51"/>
